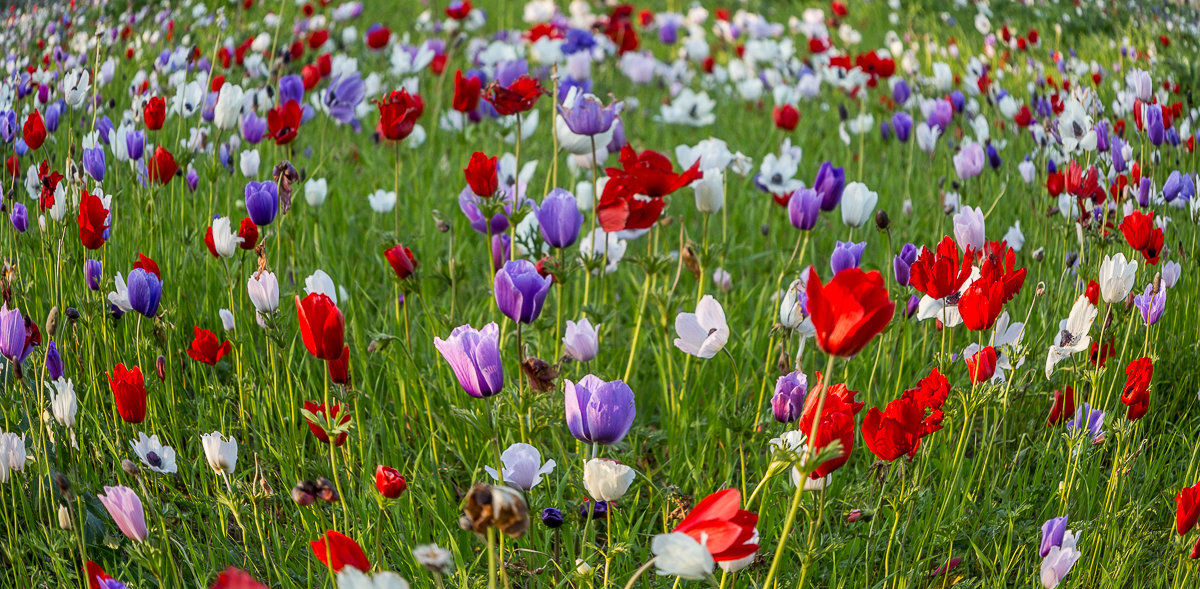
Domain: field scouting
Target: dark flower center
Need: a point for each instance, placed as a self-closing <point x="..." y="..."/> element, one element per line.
<point x="153" y="459"/>
<point x="1067" y="338"/>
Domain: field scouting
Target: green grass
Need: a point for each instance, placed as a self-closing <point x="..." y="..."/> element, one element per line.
<point x="978" y="490"/>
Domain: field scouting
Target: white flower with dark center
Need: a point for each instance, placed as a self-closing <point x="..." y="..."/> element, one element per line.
<point x="1072" y="335"/>
<point x="154" y="454"/>
<point x="703" y="333"/>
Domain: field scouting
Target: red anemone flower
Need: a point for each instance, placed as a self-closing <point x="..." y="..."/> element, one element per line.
<point x="982" y="365"/>
<point x="942" y="273"/>
<point x="895" y="431"/>
<point x="398" y="114"/>
<point x="330" y="415"/>
<point x="206" y="348"/>
<point x="1141" y="234"/>
<point x="321" y="325"/>
<point x="1136" y="393"/>
<point x="653" y="172"/>
<point x="162" y="166"/>
<point x="1187" y="509"/>
<point x="722" y="526"/>
<point x="34" y="130"/>
<point x="466" y="92"/>
<point x="337" y="551"/>
<point x="1063" y="407"/>
<point x="482" y="174"/>
<point x="93" y="221"/>
<point x="129" y="393"/>
<point x="402" y="260"/>
<point x="154" y="113"/>
<point x="283" y="122"/>
<point x="622" y="206"/>
<point x="849" y="311"/>
<point x="517" y="97"/>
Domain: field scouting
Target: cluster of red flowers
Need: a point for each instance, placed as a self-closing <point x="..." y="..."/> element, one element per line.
<point x="836" y="422"/>
<point x="398" y="114"/>
<point x="999" y="281"/>
<point x="1136" y="394"/>
<point x="942" y="272"/>
<point x="633" y="194"/>
<point x="898" y="429"/>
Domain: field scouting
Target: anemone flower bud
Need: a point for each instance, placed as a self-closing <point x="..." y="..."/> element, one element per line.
<point x="495" y="506"/>
<point x="125" y="508"/>
<point x="606" y="480"/>
<point x="521" y="291"/>
<point x="599" y="412"/>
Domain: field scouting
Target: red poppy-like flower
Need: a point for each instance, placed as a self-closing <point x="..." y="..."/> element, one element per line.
<point x="481" y="174"/>
<point x="210" y="243"/>
<point x="619" y="28"/>
<point x="981" y="366"/>
<point x="147" y="264"/>
<point x="49" y="180"/>
<point x="517" y="97"/>
<point x="1100" y="352"/>
<point x="1055" y="183"/>
<point x="849" y="311"/>
<point x="466" y="92"/>
<point x="34" y="130"/>
<point x="1136" y="393"/>
<point x="318" y="38"/>
<point x="337" y="551"/>
<point x="207" y="348"/>
<point x="330" y="415"/>
<point x="399" y="113"/>
<point x="248" y="231"/>
<point x="1063" y="407"/>
<point x="95" y="573"/>
<point x="234" y="578"/>
<point x="1092" y="292"/>
<point x="942" y="273"/>
<point x="402" y="260"/>
<point x="129" y="393"/>
<point x="377" y="38"/>
<point x="93" y="221"/>
<point x="389" y="482"/>
<point x="786" y="117"/>
<point x="283" y="122"/>
<point x="722" y="526"/>
<point x="458" y="9"/>
<point x="162" y="166"/>
<point x="311" y="76"/>
<point x="339" y="369"/>
<point x="1024" y="117"/>
<point x="837" y="421"/>
<point x="930" y="394"/>
<point x="321" y="325"/>
<point x="1187" y="509"/>
<point x="981" y="304"/>
<point x="622" y="206"/>
<point x="154" y="113"/>
<point x="653" y="172"/>
<point x="877" y="65"/>
<point x="838" y="9"/>
<point x="999" y="265"/>
<point x="1141" y="234"/>
<point x="895" y="431"/>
